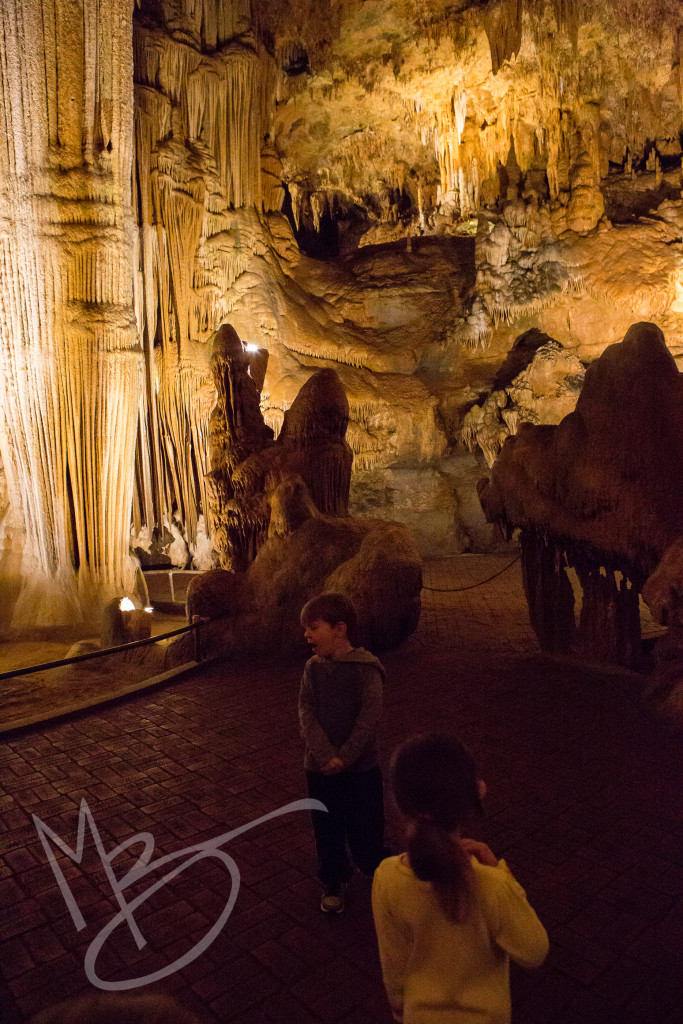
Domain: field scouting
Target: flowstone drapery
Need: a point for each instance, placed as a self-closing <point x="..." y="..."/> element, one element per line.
<point x="601" y="492"/>
<point x="70" y="364"/>
<point x="203" y="95"/>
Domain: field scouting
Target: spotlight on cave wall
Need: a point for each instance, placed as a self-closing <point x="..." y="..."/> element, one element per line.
<point x="258" y="364"/>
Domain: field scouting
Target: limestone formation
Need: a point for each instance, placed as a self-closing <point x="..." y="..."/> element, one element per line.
<point x="70" y="361"/>
<point x="280" y="510"/>
<point x="394" y="191"/>
<point x="539" y="382"/>
<point x="413" y="121"/>
<point x="257" y="611"/>
<point x="247" y="463"/>
<point x="600" y="491"/>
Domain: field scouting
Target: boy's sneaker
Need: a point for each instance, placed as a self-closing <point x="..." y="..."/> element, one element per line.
<point x="332" y="899"/>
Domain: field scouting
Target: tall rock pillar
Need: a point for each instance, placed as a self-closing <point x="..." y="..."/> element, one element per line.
<point x="70" y="362"/>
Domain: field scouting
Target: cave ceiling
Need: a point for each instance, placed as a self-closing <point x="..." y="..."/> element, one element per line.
<point x="431" y="98"/>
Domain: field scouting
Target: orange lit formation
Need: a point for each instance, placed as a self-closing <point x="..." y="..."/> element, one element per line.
<point x="396" y="192"/>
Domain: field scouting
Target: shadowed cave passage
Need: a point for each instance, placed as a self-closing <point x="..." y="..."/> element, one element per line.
<point x="584" y="804"/>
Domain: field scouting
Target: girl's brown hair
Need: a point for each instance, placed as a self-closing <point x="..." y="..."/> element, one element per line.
<point x="436" y="787"/>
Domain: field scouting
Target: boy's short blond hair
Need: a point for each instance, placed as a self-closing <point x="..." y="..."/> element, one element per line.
<point x="331" y="608"/>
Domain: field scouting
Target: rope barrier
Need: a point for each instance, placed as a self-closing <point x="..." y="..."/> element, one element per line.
<point x="471" y="586"/>
<point x="194" y="627"/>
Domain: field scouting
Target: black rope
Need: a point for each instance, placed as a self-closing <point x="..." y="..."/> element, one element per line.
<point x="471" y="586"/>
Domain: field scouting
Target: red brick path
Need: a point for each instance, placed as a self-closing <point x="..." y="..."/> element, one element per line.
<point x="584" y="803"/>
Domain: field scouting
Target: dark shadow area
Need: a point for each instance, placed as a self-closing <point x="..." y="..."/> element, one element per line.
<point x="519" y="357"/>
<point x="320" y="245"/>
<point x="623" y="205"/>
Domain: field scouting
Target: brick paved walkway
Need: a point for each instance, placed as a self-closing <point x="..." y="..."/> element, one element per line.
<point x="584" y="803"/>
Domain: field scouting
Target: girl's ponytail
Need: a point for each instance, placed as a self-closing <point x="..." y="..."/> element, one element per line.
<point x="435" y="785"/>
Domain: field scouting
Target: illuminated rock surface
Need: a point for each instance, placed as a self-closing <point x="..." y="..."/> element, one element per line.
<point x="70" y="364"/>
<point x="466" y="174"/>
<point x="283" y="532"/>
<point x="601" y="491"/>
<point x="247" y="464"/>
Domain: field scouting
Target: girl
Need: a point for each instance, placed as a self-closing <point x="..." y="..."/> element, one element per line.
<point x="448" y="914"/>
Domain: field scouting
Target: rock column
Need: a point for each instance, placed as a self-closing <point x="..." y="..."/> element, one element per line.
<point x="70" y="363"/>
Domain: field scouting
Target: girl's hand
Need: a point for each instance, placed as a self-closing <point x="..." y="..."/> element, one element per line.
<point x="333" y="765"/>
<point x="481" y="851"/>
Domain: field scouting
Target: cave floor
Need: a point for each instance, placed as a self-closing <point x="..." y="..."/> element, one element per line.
<point x="584" y="803"/>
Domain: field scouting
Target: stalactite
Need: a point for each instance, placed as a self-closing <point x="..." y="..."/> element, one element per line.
<point x="542" y="100"/>
<point x="318" y="205"/>
<point x="70" y="364"/>
<point x="208" y="23"/>
<point x="200" y="119"/>
<point x="503" y="24"/>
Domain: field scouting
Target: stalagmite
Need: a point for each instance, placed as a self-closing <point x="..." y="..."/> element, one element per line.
<point x="247" y="463"/>
<point x="601" y="492"/>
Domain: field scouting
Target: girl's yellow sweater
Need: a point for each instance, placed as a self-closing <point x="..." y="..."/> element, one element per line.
<point x="446" y="972"/>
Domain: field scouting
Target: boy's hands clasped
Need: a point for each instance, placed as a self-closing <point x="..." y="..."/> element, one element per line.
<point x="335" y="764"/>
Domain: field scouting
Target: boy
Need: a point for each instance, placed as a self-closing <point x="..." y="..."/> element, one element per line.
<point x="340" y="703"/>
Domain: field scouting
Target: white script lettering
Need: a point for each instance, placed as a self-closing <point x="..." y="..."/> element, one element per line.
<point x="144" y="866"/>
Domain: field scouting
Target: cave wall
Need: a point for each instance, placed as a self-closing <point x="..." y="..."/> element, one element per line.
<point x="199" y="121"/>
<point x="469" y="174"/>
<point x="460" y="167"/>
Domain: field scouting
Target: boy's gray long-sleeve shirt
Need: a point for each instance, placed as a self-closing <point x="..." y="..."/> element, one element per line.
<point x="340" y="704"/>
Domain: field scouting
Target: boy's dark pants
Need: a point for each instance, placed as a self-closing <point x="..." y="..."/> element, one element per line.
<point x="355" y="813"/>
